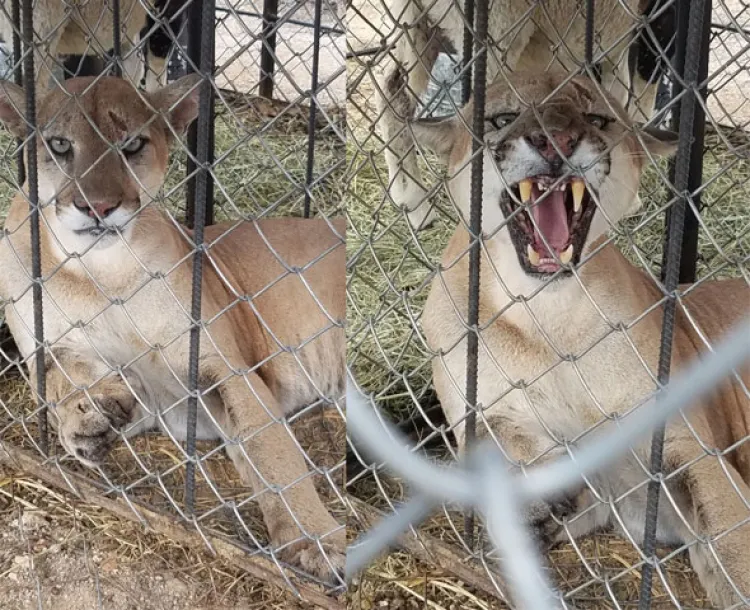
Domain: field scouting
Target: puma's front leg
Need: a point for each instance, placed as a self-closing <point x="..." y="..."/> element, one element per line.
<point x="89" y="404"/>
<point x="269" y="459"/>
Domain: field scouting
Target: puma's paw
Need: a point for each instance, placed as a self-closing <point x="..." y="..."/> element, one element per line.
<point x="538" y="517"/>
<point x="88" y="428"/>
<point x="327" y="565"/>
<point x="422" y="216"/>
<point x="412" y="198"/>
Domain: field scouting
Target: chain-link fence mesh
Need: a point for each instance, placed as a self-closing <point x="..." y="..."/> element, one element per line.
<point x="560" y="350"/>
<point x="196" y="391"/>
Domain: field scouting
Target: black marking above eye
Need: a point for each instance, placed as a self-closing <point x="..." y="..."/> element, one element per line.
<point x="599" y="121"/>
<point x="502" y="120"/>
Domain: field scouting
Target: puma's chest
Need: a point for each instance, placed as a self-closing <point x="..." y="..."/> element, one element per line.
<point x="561" y="374"/>
<point x="119" y="314"/>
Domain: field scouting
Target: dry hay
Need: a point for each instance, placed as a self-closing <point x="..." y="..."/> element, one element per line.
<point x="261" y="153"/>
<point x="389" y="272"/>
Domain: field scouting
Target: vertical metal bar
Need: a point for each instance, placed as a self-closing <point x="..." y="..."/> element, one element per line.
<point x="196" y="59"/>
<point x="27" y="31"/>
<point x="475" y="228"/>
<point x="677" y="74"/>
<point x="311" y="131"/>
<point x="589" y="52"/>
<point x="116" y="39"/>
<point x="467" y="51"/>
<point x="688" y="175"/>
<point x="18" y="79"/>
<point x="204" y="156"/>
<point x="689" y="255"/>
<point x="268" y="47"/>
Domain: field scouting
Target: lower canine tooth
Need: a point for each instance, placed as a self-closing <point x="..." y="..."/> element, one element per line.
<point x="578" y="188"/>
<point x="533" y="255"/>
<point x="566" y="255"/>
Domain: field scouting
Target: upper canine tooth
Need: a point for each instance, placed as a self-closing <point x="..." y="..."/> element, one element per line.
<point x="533" y="255"/>
<point x="578" y="188"/>
<point x="566" y="255"/>
<point x="524" y="188"/>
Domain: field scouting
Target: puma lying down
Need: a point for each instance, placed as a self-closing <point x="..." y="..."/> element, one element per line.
<point x="559" y="167"/>
<point x="117" y="296"/>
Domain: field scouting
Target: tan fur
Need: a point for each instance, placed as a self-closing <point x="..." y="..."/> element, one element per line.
<point x="555" y="360"/>
<point x="268" y="346"/>
<point x="525" y="36"/>
<point x="82" y="27"/>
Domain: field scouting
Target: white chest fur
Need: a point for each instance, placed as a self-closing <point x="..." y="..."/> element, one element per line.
<point x="114" y="310"/>
<point x="556" y="364"/>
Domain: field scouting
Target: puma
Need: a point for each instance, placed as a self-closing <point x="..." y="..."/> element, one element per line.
<point x="523" y="36"/>
<point x="117" y="297"/>
<point x="569" y="330"/>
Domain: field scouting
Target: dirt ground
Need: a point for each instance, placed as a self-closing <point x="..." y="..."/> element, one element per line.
<point x="55" y="555"/>
<point x="238" y="50"/>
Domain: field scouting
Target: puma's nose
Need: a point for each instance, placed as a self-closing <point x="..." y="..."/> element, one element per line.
<point x="555" y="144"/>
<point x="94" y="208"/>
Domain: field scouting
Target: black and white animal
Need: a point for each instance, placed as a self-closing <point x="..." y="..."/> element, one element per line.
<point x="78" y="40"/>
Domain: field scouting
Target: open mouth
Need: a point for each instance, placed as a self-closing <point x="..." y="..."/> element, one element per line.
<point x="561" y="209"/>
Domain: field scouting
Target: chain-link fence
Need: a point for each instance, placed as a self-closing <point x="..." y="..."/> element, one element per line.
<point x="570" y="310"/>
<point x="172" y="285"/>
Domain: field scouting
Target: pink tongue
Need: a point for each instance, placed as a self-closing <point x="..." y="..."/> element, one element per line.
<point x="552" y="221"/>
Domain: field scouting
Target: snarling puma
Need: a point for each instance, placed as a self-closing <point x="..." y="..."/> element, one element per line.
<point x="570" y="330"/>
<point x="531" y="36"/>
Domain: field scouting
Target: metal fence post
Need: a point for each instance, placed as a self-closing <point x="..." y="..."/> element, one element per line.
<point x="203" y="194"/>
<point x="116" y="39"/>
<point x="196" y="51"/>
<point x="682" y="233"/>
<point x="589" y="47"/>
<point x="27" y="30"/>
<point x="689" y="250"/>
<point x="468" y="49"/>
<point x="311" y="131"/>
<point x="475" y="229"/>
<point x="203" y="201"/>
<point x="268" y="47"/>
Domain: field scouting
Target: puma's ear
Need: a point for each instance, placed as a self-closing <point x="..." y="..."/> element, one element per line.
<point x="437" y="135"/>
<point x="658" y="142"/>
<point x="13" y="108"/>
<point x="179" y="101"/>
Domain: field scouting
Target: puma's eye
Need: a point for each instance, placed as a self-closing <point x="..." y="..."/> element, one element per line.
<point x="134" y="146"/>
<point x="598" y="121"/>
<point x="59" y="146"/>
<point x="499" y="121"/>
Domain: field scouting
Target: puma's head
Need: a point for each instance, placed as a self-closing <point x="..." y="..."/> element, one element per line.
<point x="102" y="150"/>
<point x="561" y="162"/>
